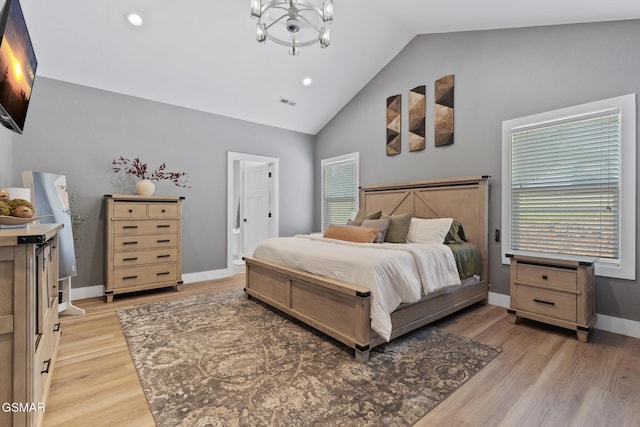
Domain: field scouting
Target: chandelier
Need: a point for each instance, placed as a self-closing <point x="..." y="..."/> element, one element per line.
<point x="293" y="23"/>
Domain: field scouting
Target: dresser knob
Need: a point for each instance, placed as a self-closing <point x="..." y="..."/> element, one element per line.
<point x="544" y="277"/>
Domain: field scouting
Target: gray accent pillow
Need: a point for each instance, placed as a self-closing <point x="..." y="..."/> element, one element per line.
<point x="368" y="215"/>
<point x="398" y="228"/>
<point x="382" y="225"/>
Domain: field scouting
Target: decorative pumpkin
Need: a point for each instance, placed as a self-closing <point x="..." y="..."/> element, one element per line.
<point x="21" y="208"/>
<point x="5" y="209"/>
<point x="4" y="196"/>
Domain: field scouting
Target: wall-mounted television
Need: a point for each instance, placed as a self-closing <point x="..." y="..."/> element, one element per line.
<point x="17" y="67"/>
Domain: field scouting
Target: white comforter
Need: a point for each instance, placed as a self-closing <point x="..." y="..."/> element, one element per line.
<point x="395" y="273"/>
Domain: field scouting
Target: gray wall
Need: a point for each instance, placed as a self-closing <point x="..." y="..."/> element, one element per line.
<point x="6" y="157"/>
<point x="499" y="75"/>
<point x="76" y="131"/>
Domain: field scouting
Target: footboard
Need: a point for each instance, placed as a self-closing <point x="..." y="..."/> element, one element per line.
<point x="338" y="309"/>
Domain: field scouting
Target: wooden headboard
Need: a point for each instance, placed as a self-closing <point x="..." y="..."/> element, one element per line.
<point x="465" y="199"/>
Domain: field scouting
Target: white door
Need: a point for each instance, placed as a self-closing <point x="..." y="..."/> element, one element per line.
<point x="256" y="219"/>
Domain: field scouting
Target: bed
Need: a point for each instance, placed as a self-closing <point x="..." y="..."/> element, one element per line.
<point x="343" y="310"/>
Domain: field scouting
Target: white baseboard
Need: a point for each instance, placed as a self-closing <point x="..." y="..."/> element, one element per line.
<point x="207" y="275"/>
<point x="627" y="327"/>
<point x="87" y="292"/>
<point x="98" y="290"/>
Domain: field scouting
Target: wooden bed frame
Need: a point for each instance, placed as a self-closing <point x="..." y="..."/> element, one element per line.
<point x="342" y="310"/>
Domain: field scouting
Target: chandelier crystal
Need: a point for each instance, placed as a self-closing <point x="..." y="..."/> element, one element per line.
<point x="293" y="23"/>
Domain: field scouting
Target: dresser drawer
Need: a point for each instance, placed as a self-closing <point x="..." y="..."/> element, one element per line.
<point x="559" y="305"/>
<point x="145" y="226"/>
<point x="126" y="259"/>
<point x="163" y="210"/>
<point x="152" y="241"/>
<point x="134" y="276"/>
<point x="130" y="210"/>
<point x="563" y="278"/>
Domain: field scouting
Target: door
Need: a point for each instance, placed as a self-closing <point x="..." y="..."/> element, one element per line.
<point x="256" y="222"/>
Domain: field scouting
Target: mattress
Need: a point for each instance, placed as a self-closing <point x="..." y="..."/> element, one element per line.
<point x="395" y="273"/>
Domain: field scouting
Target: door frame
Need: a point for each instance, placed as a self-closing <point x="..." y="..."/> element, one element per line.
<point x="275" y="201"/>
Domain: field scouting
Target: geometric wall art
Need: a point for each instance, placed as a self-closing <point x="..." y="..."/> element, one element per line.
<point x="417" y="113"/>
<point x="393" y="125"/>
<point x="444" y="111"/>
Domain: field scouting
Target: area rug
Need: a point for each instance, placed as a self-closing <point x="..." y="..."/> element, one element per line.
<point x="224" y="360"/>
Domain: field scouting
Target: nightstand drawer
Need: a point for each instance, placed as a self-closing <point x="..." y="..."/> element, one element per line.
<point x="563" y="278"/>
<point x="559" y="305"/>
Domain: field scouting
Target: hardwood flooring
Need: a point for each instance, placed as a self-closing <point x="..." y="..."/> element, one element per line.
<point x="543" y="377"/>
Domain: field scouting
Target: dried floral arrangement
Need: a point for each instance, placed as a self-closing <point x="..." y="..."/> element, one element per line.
<point x="139" y="169"/>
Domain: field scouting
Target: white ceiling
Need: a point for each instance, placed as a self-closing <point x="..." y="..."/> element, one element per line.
<point x="203" y="54"/>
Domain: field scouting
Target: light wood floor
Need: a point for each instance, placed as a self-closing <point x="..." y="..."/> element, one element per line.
<point x="543" y="377"/>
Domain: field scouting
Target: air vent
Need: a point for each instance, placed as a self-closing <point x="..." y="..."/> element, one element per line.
<point x="287" y="102"/>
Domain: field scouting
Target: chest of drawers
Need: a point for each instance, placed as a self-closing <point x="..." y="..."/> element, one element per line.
<point x="560" y="292"/>
<point x="143" y="238"/>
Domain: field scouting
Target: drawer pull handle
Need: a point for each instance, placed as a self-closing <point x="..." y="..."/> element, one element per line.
<point x="544" y="277"/>
<point x="544" y="302"/>
<point x="164" y="273"/>
<point x="130" y="210"/>
<point x="163" y="256"/>
<point x="130" y="243"/>
<point x="164" y="241"/>
<point x="56" y="327"/>
<point x="130" y="277"/>
<point x="130" y="259"/>
<point x="164" y="225"/>
<point x="47" y="363"/>
<point x="163" y="210"/>
<point x="129" y="226"/>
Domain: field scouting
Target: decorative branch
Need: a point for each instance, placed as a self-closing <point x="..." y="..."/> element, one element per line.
<point x="139" y="169"/>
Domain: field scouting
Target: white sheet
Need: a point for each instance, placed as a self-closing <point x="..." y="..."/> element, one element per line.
<point x="395" y="273"/>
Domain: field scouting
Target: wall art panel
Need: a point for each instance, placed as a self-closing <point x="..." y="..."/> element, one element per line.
<point x="444" y="111"/>
<point x="393" y="125"/>
<point x="417" y="114"/>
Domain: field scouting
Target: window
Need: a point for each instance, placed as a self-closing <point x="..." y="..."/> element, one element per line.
<point x="570" y="184"/>
<point x="340" y="182"/>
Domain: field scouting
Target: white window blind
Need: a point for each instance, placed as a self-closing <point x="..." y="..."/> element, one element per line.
<point x="569" y="184"/>
<point x="565" y="187"/>
<point x="340" y="183"/>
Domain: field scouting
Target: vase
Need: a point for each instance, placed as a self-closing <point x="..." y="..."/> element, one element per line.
<point x="144" y="187"/>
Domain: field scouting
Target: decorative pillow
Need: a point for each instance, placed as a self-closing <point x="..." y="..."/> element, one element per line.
<point x="355" y="222"/>
<point x="382" y="225"/>
<point x="350" y="233"/>
<point x="428" y="230"/>
<point x="455" y="233"/>
<point x="368" y="215"/>
<point x="398" y="228"/>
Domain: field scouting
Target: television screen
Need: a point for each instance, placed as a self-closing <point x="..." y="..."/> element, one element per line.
<point x="17" y="67"/>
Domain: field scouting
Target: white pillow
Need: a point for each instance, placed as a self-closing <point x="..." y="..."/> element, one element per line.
<point x="428" y="230"/>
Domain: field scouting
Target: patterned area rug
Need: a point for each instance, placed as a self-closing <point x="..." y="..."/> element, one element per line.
<point x="224" y="360"/>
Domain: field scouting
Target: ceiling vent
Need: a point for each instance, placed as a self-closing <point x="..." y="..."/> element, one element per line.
<point x="287" y="102"/>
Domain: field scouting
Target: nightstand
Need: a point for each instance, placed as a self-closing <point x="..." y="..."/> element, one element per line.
<point x="560" y="292"/>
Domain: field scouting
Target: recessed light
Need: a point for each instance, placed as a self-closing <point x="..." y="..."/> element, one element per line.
<point x="307" y="81"/>
<point x="134" y="19"/>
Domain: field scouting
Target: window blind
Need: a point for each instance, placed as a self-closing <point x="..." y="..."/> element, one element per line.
<point x="565" y="186"/>
<point x="340" y="191"/>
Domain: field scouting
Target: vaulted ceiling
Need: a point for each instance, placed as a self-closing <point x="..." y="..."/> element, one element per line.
<point x="203" y="54"/>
